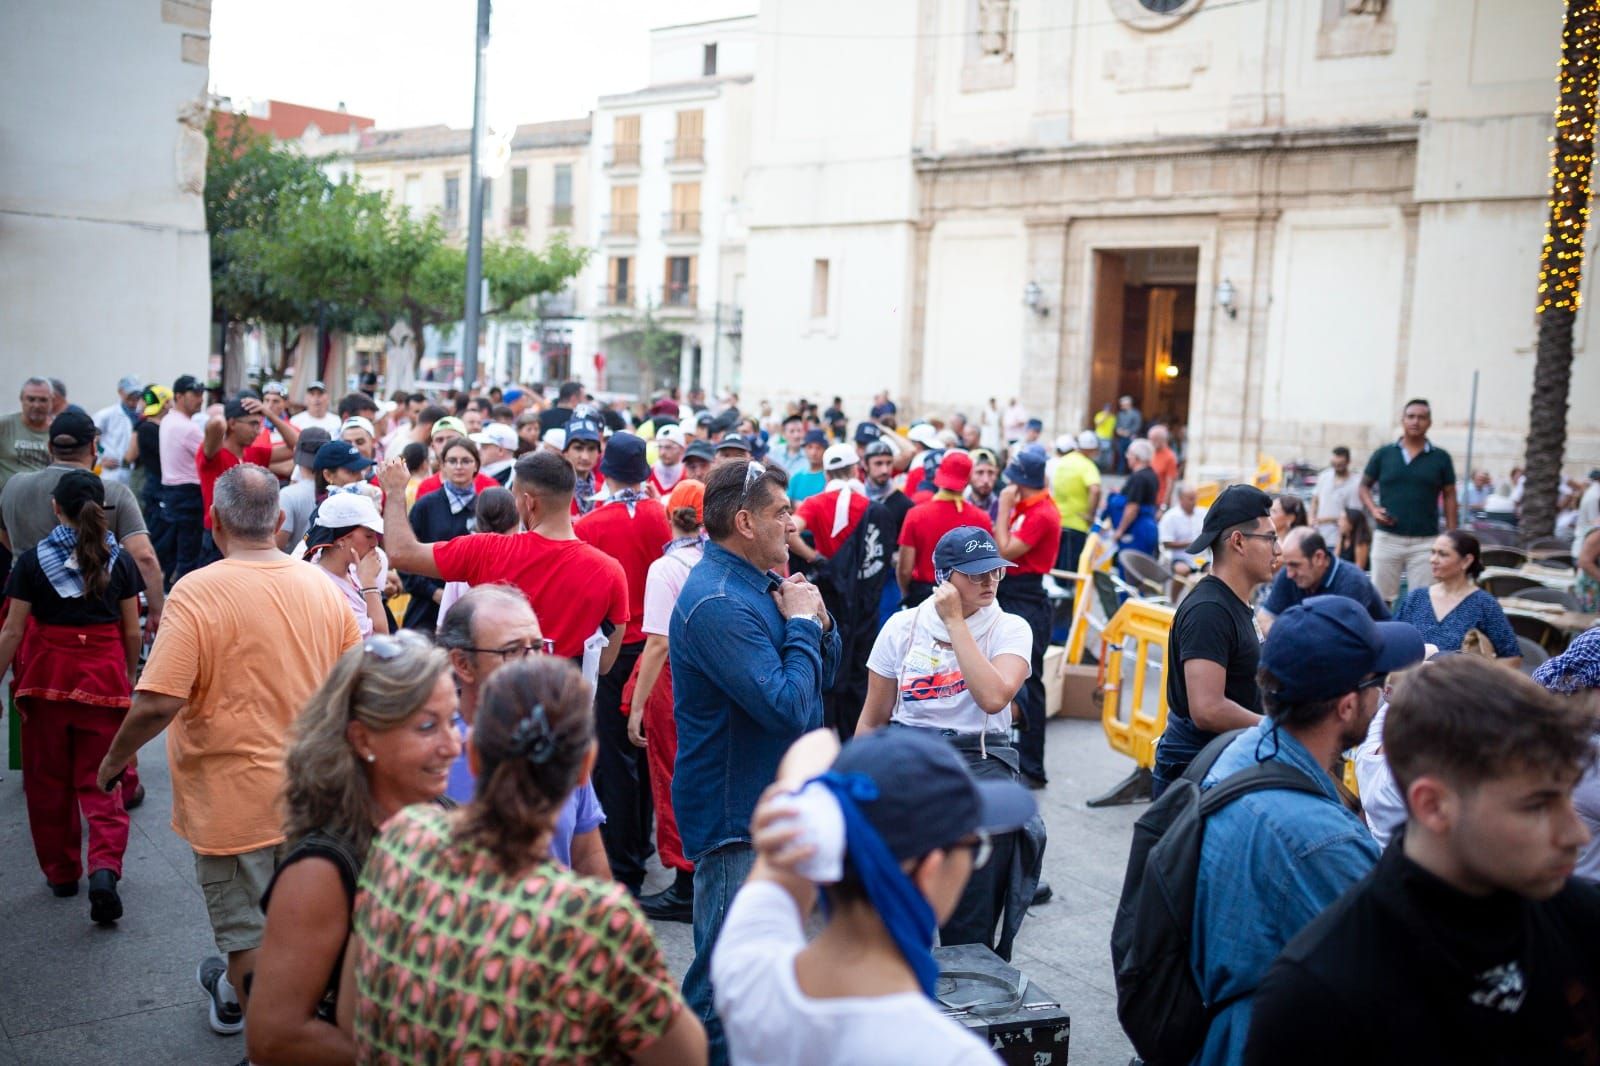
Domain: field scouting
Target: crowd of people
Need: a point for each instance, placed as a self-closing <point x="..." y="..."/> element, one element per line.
<point x="440" y="673"/>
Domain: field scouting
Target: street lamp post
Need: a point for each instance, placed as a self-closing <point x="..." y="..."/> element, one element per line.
<point x="469" y="340"/>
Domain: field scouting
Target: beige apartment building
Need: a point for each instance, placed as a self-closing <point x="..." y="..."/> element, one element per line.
<point x="1270" y="221"/>
<point x="540" y="193"/>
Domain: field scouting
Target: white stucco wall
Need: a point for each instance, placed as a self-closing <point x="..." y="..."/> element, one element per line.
<point x="104" y="262"/>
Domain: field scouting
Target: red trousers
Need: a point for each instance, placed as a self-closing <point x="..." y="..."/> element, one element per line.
<point x="661" y="733"/>
<point x="62" y="746"/>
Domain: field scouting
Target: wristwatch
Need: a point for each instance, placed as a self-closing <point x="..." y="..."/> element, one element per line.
<point x="808" y="617"/>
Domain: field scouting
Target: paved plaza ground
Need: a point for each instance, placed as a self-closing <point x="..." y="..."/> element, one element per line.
<point x="73" y="993"/>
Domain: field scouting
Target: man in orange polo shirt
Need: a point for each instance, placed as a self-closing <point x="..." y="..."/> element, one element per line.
<point x="1029" y="534"/>
<point x="925" y="523"/>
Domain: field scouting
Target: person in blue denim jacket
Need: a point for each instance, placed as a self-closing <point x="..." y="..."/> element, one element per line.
<point x="1273" y="859"/>
<point x="751" y="654"/>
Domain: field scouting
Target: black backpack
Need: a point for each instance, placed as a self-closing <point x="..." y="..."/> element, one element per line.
<point x="1158" y="1002"/>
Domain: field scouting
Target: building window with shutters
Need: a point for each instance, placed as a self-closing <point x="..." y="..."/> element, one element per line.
<point x="819" y="288"/>
<point x="678" y="289"/>
<point x="623" y="221"/>
<point x="708" y="60"/>
<point x="619" y="276"/>
<point x="450" y="215"/>
<point x="624" y="152"/>
<point x="561" y="200"/>
<point x="519" y="196"/>
<point x="689" y="145"/>
<point x="684" y="218"/>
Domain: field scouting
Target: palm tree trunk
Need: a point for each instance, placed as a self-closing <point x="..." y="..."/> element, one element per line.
<point x="1561" y="265"/>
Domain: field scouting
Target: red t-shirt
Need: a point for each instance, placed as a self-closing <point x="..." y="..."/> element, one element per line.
<point x="925" y="523"/>
<point x="213" y="468"/>
<point x="571" y="586"/>
<point x="433" y="483"/>
<point x="914" y="480"/>
<point x="1038" y="523"/>
<point x="818" y="514"/>
<point x="635" y="541"/>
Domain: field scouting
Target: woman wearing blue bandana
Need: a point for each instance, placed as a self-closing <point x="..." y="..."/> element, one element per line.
<point x="892" y="830"/>
<point x="72" y="633"/>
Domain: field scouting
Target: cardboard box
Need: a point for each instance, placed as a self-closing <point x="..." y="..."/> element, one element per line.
<point x="1071" y="691"/>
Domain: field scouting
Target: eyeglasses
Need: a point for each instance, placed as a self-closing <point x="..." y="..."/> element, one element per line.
<point x="982" y="849"/>
<point x="1261" y="536"/>
<point x="988" y="577"/>
<point x="753" y="472"/>
<point x="543" y="646"/>
<point x="1377" y="681"/>
<point x="461" y="460"/>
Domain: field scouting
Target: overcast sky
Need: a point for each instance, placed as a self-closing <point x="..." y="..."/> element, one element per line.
<point x="409" y="62"/>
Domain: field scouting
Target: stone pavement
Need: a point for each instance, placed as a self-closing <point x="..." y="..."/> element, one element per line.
<point x="73" y="993"/>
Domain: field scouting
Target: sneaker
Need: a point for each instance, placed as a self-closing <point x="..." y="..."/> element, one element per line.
<point x="63" y="889"/>
<point x="134" y="800"/>
<point x="105" y="906"/>
<point x="227" y="1017"/>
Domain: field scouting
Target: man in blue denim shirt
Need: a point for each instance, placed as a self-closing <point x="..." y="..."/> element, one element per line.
<point x="1272" y="860"/>
<point x="751" y="655"/>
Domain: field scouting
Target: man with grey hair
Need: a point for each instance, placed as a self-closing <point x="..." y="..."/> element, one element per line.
<point x="25" y="434"/>
<point x="244" y="644"/>
<point x="488" y="627"/>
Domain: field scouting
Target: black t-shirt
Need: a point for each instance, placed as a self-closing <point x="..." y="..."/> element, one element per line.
<point x="1213" y="624"/>
<point x="1406" y="969"/>
<point x="148" y="434"/>
<point x="1142" y="487"/>
<point x="554" y="418"/>
<point x="897" y="504"/>
<point x="27" y="582"/>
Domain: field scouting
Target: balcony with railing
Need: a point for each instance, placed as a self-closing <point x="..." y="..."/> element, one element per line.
<point x="616" y="295"/>
<point x="560" y="214"/>
<point x="679" y="299"/>
<point x="619" y="227"/>
<point x="623" y="156"/>
<point x="680" y="225"/>
<point x="519" y="216"/>
<point x="686" y="153"/>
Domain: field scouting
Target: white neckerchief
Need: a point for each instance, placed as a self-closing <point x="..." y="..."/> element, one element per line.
<point x="668" y="476"/>
<point x="980" y="623"/>
<point x="841" y="507"/>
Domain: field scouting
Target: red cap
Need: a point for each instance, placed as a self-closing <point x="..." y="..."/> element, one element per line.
<point x="955" y="471"/>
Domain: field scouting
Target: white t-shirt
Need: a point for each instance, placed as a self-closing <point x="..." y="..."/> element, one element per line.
<point x="931" y="688"/>
<point x="1334" y="498"/>
<point x="662" y="584"/>
<point x="769" y="1021"/>
<point x="1179" y="528"/>
<point x="350" y="587"/>
<point x="1381" y="802"/>
<point x="330" y="422"/>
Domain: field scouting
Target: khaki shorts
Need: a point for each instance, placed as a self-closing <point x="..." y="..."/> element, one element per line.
<point x="233" y="885"/>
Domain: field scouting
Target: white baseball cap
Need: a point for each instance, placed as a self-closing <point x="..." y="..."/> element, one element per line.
<point x="1088" y="442"/>
<point x="357" y="422"/>
<point x="498" y="434"/>
<point x="672" y="434"/>
<point x="839" y="456"/>
<point x="341" y="510"/>
<point x="924" y="434"/>
<point x="1065" y="443"/>
<point x="556" y="438"/>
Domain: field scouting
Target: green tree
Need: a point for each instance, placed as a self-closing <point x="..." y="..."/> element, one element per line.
<point x="1561" y="264"/>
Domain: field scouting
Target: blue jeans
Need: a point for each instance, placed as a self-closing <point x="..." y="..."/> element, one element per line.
<point x="717" y="877"/>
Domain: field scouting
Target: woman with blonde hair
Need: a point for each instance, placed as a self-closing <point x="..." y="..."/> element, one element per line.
<point x="522" y="959"/>
<point x="376" y="737"/>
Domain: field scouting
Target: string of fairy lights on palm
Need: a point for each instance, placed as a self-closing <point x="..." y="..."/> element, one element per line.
<point x="1571" y="159"/>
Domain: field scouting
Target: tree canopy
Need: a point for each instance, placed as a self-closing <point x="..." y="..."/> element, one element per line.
<point x="291" y="248"/>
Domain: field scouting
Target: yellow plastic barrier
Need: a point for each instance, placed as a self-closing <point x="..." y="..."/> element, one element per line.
<point x="1136" y="735"/>
<point x="1096" y="555"/>
<point x="1206" y="493"/>
<point x="1269" y="473"/>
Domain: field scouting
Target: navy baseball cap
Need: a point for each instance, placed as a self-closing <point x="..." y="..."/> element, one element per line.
<point x="969" y="549"/>
<point x="1036" y="424"/>
<point x="733" y="442"/>
<point x="1027" y="469"/>
<point x="1327" y="645"/>
<point x="815" y="436"/>
<point x="624" y="459"/>
<point x="340" y="455"/>
<point x="701" y="450"/>
<point x="867" y="432"/>
<point x="927" y="798"/>
<point x="582" y="429"/>
<point x="187" y="383"/>
<point x="1236" y="505"/>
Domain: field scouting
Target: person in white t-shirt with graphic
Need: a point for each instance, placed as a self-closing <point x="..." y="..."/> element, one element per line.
<point x="913" y="823"/>
<point x="951" y="666"/>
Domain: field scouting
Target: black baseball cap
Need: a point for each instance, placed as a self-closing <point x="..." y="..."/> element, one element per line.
<point x="733" y="442"/>
<point x="78" y="487"/>
<point x="878" y="447"/>
<point x="1236" y="505"/>
<point x="1324" y="647"/>
<point x="969" y="549"/>
<point x="72" y="428"/>
<point x="235" y="409"/>
<point x="927" y="798"/>
<point x="187" y="383"/>
<point x="312" y="438"/>
<point x="701" y="449"/>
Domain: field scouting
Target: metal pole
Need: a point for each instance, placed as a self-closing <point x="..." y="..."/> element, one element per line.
<point x="1472" y="426"/>
<point x="469" y="339"/>
<point x="716" y="349"/>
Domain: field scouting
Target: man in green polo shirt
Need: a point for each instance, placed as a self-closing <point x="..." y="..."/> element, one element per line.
<point x="1410" y="476"/>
